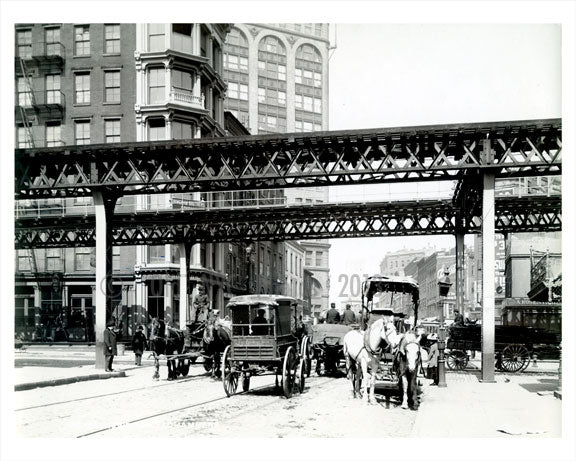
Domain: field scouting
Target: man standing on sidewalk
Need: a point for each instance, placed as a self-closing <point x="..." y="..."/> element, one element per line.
<point x="110" y="349"/>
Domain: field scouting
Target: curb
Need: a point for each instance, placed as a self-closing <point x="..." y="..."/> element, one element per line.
<point x="71" y="379"/>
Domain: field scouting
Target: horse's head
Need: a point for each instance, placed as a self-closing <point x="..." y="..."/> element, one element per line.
<point x="157" y="329"/>
<point x="410" y="348"/>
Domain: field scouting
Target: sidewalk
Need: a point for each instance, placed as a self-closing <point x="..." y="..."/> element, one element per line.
<point x="44" y="373"/>
<point x="515" y="405"/>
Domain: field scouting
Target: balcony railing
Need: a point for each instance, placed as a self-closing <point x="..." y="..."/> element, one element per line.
<point x="49" y="99"/>
<point x="186" y="97"/>
<point x="41" y="50"/>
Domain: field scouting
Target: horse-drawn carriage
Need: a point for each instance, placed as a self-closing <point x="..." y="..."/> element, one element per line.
<point x="267" y="338"/>
<point x="327" y="346"/>
<point x="387" y="343"/>
<point x="181" y="348"/>
<point x="514" y="345"/>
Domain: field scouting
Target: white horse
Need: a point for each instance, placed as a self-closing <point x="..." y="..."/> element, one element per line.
<point x="363" y="349"/>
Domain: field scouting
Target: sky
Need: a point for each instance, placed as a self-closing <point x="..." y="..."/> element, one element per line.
<point x="391" y="75"/>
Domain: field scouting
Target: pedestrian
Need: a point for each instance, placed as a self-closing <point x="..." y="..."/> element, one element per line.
<point x="110" y="348"/>
<point x="139" y="344"/>
<point x="458" y="318"/>
<point x="332" y="316"/>
<point x="348" y="317"/>
<point x="433" y="359"/>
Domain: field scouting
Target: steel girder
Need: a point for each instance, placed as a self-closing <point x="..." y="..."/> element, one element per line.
<point x="440" y="152"/>
<point x="290" y="223"/>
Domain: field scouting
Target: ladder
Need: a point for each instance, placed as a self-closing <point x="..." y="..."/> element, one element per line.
<point x="25" y="121"/>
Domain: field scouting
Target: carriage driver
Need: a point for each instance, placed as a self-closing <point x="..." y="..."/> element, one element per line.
<point x="201" y="305"/>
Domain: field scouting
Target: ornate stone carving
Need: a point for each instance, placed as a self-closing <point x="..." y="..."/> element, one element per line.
<point x="291" y="39"/>
<point x="254" y="31"/>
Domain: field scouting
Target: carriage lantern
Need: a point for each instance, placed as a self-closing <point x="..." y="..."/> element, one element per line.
<point x="443" y="289"/>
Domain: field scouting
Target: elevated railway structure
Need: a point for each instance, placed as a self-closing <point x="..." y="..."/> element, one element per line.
<point x="473" y="154"/>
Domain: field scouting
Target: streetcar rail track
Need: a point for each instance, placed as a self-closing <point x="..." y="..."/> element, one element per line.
<point x="194" y="405"/>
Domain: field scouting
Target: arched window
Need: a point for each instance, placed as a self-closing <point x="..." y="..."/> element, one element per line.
<point x="271" y="85"/>
<point x="308" y="79"/>
<point x="236" y="74"/>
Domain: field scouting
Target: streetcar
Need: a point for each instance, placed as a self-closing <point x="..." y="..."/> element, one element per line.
<point x="268" y="338"/>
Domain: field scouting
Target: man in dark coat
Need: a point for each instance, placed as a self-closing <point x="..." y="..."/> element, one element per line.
<point x="332" y="316"/>
<point x="458" y="318"/>
<point x="348" y="317"/>
<point x="139" y="344"/>
<point x="110" y="349"/>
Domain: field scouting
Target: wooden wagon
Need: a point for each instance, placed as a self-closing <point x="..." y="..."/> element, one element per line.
<point x="267" y="339"/>
<point x="513" y="345"/>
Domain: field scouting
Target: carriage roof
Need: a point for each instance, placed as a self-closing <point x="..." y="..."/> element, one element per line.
<point x="383" y="283"/>
<point x="253" y="300"/>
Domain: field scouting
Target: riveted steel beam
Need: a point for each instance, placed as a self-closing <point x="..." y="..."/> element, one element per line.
<point x="425" y="153"/>
<point x="528" y="214"/>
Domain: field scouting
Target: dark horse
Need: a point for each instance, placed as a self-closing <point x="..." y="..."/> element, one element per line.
<point x="407" y="362"/>
<point x="165" y="340"/>
<point x="216" y="338"/>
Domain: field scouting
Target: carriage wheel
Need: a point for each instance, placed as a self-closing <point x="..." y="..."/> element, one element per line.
<point x="515" y="357"/>
<point x="305" y="354"/>
<point x="457" y="360"/>
<point x="301" y="375"/>
<point x="230" y="375"/>
<point x="289" y="369"/>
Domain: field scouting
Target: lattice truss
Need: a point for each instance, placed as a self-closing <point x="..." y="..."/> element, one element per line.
<point x="447" y="152"/>
<point x="290" y="223"/>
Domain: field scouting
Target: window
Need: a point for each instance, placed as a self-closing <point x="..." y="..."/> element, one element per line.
<point x="24" y="260"/>
<point x="181" y="130"/>
<point x="156" y="92"/>
<point x="53" y="94"/>
<point x="53" y="134"/>
<point x="308" y="258"/>
<point x="82" y="132"/>
<point x="53" y="42"/>
<point x="53" y="259"/>
<point x="282" y="98"/>
<point x="24" y="138"/>
<point x="112" y="39"/>
<point x="282" y="73"/>
<point x="82" y="87"/>
<point x="319" y="258"/>
<point x="182" y="80"/>
<point x="82" y="41"/>
<point x="112" y="130"/>
<point x="82" y="259"/>
<point x="24" y="93"/>
<point x="115" y="258"/>
<point x="24" y="41"/>
<point x="156" y="253"/>
<point x="156" y="129"/>
<point x="237" y="91"/>
<point x="156" y="37"/>
<point x="112" y="86"/>
<point x="262" y="95"/>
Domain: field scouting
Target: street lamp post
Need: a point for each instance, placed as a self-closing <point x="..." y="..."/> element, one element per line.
<point x="443" y="289"/>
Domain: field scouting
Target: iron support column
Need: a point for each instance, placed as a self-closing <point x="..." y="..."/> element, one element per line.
<point x="488" y="270"/>
<point x="460" y="252"/>
<point x="104" y="209"/>
<point x="184" y="311"/>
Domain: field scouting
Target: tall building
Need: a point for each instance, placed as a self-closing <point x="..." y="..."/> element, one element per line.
<point x="80" y="84"/>
<point x="394" y="263"/>
<point x="277" y="76"/>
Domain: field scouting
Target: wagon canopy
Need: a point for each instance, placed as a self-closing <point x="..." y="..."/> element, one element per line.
<point x="251" y="300"/>
<point x="383" y="283"/>
<point x="391" y="305"/>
